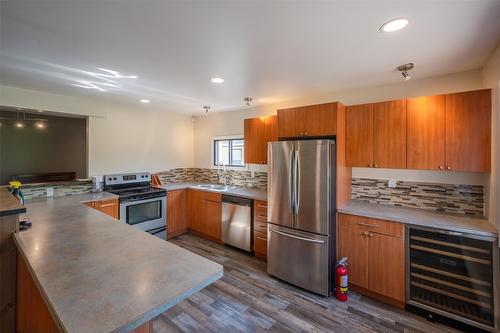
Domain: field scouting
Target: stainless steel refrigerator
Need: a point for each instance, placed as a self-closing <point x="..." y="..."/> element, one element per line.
<point x="301" y="213"/>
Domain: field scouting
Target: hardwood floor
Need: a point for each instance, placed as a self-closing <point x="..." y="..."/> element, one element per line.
<point x="247" y="299"/>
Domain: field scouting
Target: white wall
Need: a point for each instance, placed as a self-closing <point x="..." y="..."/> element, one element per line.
<point x="491" y="79"/>
<point x="229" y="123"/>
<point x="121" y="139"/>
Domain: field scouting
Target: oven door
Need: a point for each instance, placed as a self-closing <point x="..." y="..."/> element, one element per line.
<point x="145" y="214"/>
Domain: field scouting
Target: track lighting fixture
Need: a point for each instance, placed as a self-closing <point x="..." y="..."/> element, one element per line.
<point x="248" y="100"/>
<point x="206" y="108"/>
<point x="403" y="69"/>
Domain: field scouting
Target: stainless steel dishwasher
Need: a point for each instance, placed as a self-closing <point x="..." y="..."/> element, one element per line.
<point x="236" y="222"/>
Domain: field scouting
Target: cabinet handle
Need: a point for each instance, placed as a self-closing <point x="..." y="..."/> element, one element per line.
<point x="370" y="235"/>
<point x="370" y="165"/>
<point x="365" y="233"/>
<point x="448" y="167"/>
<point x="107" y="205"/>
<point x="441" y="167"/>
<point x="367" y="224"/>
<point x="376" y="166"/>
<point x="305" y="133"/>
<point x="262" y="206"/>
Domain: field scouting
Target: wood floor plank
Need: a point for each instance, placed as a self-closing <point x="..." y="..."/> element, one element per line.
<point x="247" y="299"/>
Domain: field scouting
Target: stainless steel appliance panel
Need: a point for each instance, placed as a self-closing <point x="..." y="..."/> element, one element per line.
<point x="236" y="223"/>
<point x="280" y="183"/>
<point x="299" y="258"/>
<point x="312" y="178"/>
<point x="144" y="214"/>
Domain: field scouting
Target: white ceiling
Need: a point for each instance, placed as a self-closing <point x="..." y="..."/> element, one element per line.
<point x="271" y="51"/>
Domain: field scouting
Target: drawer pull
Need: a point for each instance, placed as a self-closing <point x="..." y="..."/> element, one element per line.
<point x="261" y="206"/>
<point x="107" y="205"/>
<point x="367" y="224"/>
<point x="450" y="254"/>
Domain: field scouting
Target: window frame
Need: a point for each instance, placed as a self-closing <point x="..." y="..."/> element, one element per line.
<point x="229" y="138"/>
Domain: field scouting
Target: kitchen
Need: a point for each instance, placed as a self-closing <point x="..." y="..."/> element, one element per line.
<point x="259" y="202"/>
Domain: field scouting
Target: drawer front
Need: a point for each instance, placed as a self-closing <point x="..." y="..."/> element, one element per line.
<point x="260" y="226"/>
<point x="106" y="203"/>
<point x="260" y="210"/>
<point x="206" y="195"/>
<point x="375" y="226"/>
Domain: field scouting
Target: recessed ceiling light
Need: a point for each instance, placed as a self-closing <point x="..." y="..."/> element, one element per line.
<point x="19" y="124"/>
<point x="217" y="80"/>
<point x="145" y="101"/>
<point x="394" y="25"/>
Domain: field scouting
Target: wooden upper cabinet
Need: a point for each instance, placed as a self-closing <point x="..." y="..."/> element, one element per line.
<point x="389" y="134"/>
<point x="468" y="131"/>
<point x="425" y="145"/>
<point x="321" y="120"/>
<point x="257" y="133"/>
<point x="308" y="121"/>
<point x="359" y="135"/>
<point x="291" y="122"/>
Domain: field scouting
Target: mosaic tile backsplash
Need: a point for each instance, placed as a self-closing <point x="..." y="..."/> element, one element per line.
<point x="31" y="191"/>
<point x="203" y="175"/>
<point x="449" y="198"/>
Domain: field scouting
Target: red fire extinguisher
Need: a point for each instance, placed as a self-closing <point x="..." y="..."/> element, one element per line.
<point x="341" y="273"/>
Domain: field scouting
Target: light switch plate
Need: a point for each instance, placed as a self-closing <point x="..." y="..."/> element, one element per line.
<point x="392" y="183"/>
<point x="50" y="191"/>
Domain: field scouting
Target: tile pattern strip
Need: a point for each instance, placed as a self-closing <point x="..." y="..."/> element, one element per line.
<point x="204" y="175"/>
<point x="449" y="198"/>
<point x="60" y="190"/>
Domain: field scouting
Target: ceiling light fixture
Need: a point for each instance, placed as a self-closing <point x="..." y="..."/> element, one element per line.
<point x="40" y="125"/>
<point x="19" y="124"/>
<point x="394" y="25"/>
<point x="403" y="69"/>
<point x="217" y="80"/>
<point x="145" y="101"/>
<point x="248" y="100"/>
<point x="206" y="108"/>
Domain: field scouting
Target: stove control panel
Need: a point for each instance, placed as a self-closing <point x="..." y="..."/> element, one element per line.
<point x="127" y="178"/>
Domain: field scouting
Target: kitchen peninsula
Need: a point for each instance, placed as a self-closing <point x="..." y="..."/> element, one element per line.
<point x="96" y="274"/>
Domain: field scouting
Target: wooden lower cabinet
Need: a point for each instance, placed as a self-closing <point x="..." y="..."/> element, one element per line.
<point x="109" y="207"/>
<point x="32" y="314"/>
<point x="205" y="214"/>
<point x="260" y="229"/>
<point x="176" y="213"/>
<point x="375" y="252"/>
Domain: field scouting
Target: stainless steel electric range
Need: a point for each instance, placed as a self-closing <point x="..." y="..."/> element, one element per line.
<point x="141" y="205"/>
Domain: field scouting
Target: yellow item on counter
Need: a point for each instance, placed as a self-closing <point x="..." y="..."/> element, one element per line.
<point x="15" y="184"/>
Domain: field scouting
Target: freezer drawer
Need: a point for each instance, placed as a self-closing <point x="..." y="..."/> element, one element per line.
<point x="300" y="258"/>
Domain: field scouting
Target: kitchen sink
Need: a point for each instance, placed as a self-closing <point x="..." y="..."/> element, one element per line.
<point x="214" y="187"/>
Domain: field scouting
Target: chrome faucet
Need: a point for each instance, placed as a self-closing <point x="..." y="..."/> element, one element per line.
<point x="222" y="174"/>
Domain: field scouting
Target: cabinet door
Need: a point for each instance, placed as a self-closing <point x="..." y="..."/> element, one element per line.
<point x="386" y="266"/>
<point x="321" y="120"/>
<point x="359" y="135"/>
<point x="211" y="219"/>
<point x="260" y="244"/>
<point x="353" y="244"/>
<point x="468" y="131"/>
<point x="176" y="212"/>
<point x="109" y="207"/>
<point x="255" y="140"/>
<point x="291" y="122"/>
<point x="194" y="211"/>
<point x="389" y="134"/>
<point x="425" y="133"/>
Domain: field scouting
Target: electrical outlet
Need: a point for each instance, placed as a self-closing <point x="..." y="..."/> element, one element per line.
<point x="393" y="183"/>
<point x="50" y="191"/>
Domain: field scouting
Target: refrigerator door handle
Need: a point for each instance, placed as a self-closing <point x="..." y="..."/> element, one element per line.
<point x="297" y="182"/>
<point x="297" y="237"/>
<point x="291" y="184"/>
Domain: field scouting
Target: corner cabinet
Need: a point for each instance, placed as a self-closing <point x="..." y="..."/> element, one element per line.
<point x="308" y="121"/>
<point x="176" y="213"/>
<point x="375" y="252"/>
<point x="257" y="133"/>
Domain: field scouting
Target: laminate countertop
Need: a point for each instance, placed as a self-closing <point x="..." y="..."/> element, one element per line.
<point x="9" y="204"/>
<point x="460" y="223"/>
<point x="100" y="275"/>
<point x="243" y="192"/>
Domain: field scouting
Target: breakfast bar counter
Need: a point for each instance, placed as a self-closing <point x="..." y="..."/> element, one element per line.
<point x="96" y="274"/>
